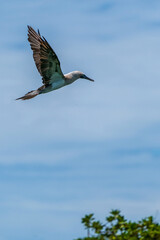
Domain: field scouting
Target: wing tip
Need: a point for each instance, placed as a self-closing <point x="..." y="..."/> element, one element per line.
<point x="38" y="32"/>
<point x="31" y="30"/>
<point x="29" y="27"/>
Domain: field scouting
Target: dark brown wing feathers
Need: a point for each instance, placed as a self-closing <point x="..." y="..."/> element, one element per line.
<point x="45" y="58"/>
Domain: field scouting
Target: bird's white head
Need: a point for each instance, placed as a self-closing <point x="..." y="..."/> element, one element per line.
<point x="73" y="76"/>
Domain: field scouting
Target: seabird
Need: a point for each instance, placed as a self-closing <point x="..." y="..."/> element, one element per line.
<point x="48" y="66"/>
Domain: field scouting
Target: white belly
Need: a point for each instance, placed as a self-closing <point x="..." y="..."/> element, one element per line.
<point x="58" y="84"/>
<point x="55" y="85"/>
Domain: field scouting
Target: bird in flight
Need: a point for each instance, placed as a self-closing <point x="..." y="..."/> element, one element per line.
<point x="48" y="66"/>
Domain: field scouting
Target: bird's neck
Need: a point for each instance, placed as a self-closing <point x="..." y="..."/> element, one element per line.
<point x="70" y="78"/>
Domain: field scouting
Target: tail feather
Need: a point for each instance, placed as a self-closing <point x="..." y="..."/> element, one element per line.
<point x="29" y="95"/>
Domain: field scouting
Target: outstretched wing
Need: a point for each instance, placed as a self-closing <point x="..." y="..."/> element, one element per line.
<point x="45" y="58"/>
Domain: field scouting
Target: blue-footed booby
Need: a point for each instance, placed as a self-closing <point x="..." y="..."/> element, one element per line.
<point x="48" y="66"/>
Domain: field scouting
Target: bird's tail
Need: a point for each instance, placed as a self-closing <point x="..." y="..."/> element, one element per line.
<point x="29" y="95"/>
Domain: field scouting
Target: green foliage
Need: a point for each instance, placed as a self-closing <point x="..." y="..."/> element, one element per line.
<point x="117" y="227"/>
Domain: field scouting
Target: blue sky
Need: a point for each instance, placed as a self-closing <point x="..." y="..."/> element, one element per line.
<point x="88" y="147"/>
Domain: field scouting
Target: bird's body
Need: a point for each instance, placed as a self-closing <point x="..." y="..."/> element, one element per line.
<point x="55" y="85"/>
<point x="48" y="66"/>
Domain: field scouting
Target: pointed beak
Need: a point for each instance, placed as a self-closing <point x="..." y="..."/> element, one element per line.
<point x="89" y="79"/>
